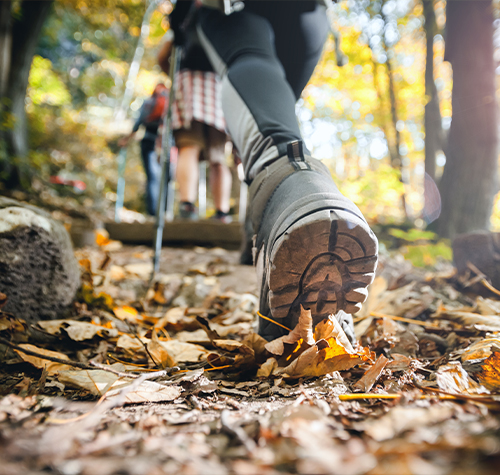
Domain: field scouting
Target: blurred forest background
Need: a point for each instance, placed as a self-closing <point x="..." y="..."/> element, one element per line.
<point x="413" y="110"/>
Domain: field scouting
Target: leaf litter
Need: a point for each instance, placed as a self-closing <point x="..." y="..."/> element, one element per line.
<point x="172" y="376"/>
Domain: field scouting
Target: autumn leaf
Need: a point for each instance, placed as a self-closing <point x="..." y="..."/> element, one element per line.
<point x="159" y="353"/>
<point x="490" y="374"/>
<point x="77" y="331"/>
<point x="452" y="378"/>
<point x="41" y="363"/>
<point x="127" y="313"/>
<point x="371" y="375"/>
<point x="304" y="353"/>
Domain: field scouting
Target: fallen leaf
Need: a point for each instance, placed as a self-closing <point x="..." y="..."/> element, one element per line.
<point x="159" y="353"/>
<point x="452" y="378"/>
<point x="9" y="322"/>
<point x="96" y="381"/>
<point x="101" y="237"/>
<point x="147" y="391"/>
<point x="3" y="299"/>
<point x="371" y="375"/>
<point x="50" y="366"/>
<point x="128" y="343"/>
<point x="470" y="319"/>
<point x="300" y="355"/>
<point x="267" y="368"/>
<point x="77" y="331"/>
<point x="480" y="350"/>
<point x="490" y="374"/>
<point x="127" y="313"/>
<point x="182" y="352"/>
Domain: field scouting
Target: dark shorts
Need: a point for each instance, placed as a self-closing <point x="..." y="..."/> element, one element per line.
<point x="211" y="141"/>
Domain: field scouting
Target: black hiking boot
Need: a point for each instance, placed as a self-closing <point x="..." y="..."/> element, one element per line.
<point x="314" y="248"/>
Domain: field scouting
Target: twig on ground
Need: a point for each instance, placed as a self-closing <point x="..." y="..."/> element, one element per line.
<point x="92" y="365"/>
<point x="482" y="278"/>
<point x="402" y="319"/>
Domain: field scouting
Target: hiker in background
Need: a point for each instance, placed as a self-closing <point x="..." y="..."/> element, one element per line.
<point x="150" y="117"/>
<point x="199" y="127"/>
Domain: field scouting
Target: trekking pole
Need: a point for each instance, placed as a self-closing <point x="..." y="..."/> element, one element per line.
<point x="120" y="187"/>
<point x="167" y="143"/>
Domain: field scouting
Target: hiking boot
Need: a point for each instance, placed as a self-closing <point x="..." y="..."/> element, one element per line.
<point x="187" y="211"/>
<point x="314" y="248"/>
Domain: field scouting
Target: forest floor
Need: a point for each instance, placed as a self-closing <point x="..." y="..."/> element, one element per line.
<point x="173" y="379"/>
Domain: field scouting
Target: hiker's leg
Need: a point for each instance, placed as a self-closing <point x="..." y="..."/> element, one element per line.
<point x="187" y="172"/>
<point x="152" y="176"/>
<point x="189" y="142"/>
<point x="220" y="175"/>
<point x="258" y="102"/>
<point x="314" y="248"/>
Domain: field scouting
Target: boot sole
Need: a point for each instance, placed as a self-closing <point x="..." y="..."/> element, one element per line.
<point x="324" y="262"/>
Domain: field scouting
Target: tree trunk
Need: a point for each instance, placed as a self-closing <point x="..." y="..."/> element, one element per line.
<point x="433" y="127"/>
<point x="22" y="31"/>
<point x="432" y="120"/>
<point x="469" y="181"/>
<point x="5" y="46"/>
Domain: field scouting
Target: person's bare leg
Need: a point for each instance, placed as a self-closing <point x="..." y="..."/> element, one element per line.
<point x="187" y="173"/>
<point x="220" y="183"/>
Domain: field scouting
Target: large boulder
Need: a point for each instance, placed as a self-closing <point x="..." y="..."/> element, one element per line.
<point x="38" y="270"/>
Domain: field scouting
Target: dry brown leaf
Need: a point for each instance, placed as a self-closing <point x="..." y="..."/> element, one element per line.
<point x="9" y="322"/>
<point x="147" y="391"/>
<point x="256" y="342"/>
<point x="128" y="343"/>
<point x="77" y="331"/>
<point x="371" y="375"/>
<point x="301" y="356"/>
<point x="50" y="366"/>
<point x="95" y="381"/>
<point x="480" y="350"/>
<point x="452" y="378"/>
<point x="182" y="352"/>
<point x="229" y="345"/>
<point x="301" y="334"/>
<point x="159" y="353"/>
<point x="475" y="320"/>
<point x="267" y="368"/>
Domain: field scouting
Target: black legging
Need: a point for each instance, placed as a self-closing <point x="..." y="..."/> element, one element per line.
<point x="265" y="55"/>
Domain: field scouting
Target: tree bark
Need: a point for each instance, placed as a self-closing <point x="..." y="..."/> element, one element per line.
<point x="469" y="181"/>
<point x="434" y="138"/>
<point x="433" y="127"/>
<point x="22" y="31"/>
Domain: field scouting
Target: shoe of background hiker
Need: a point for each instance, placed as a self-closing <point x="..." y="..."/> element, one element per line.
<point x="187" y="210"/>
<point x="314" y="248"/>
<point x="222" y="217"/>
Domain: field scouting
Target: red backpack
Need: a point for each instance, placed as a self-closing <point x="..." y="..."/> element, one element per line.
<point x="159" y="107"/>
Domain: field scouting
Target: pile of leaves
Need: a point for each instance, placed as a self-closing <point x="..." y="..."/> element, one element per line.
<point x="171" y="375"/>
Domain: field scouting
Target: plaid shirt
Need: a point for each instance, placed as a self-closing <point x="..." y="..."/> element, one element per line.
<point x="197" y="97"/>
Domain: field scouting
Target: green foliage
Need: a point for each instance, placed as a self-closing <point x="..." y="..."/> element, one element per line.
<point x="45" y="87"/>
<point x="413" y="235"/>
<point x="422" y="248"/>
